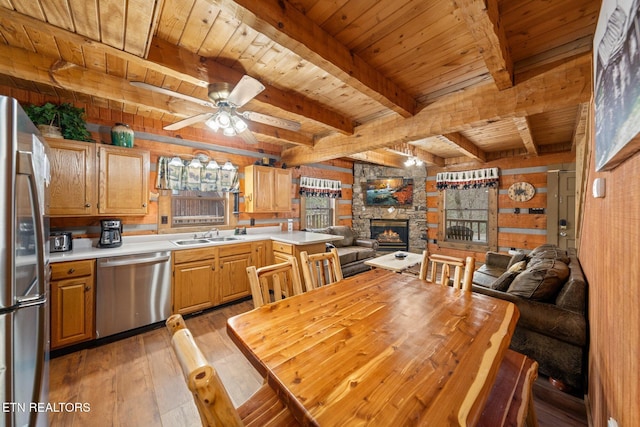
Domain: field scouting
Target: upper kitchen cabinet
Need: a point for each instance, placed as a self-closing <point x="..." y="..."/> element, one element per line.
<point x="123" y="184"/>
<point x="72" y="190"/>
<point x="267" y="189"/>
<point x="90" y="179"/>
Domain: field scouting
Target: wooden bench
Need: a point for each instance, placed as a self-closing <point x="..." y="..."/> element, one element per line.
<point x="511" y="400"/>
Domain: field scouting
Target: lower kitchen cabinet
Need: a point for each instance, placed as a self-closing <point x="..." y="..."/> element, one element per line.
<point x="72" y="302"/>
<point x="194" y="277"/>
<point x="206" y="277"/>
<point x="232" y="277"/>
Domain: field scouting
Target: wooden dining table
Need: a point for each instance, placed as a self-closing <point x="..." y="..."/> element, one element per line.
<point x="380" y="349"/>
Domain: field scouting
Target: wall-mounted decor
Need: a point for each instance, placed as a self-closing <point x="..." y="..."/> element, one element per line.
<point x="616" y="45"/>
<point x="396" y="192"/>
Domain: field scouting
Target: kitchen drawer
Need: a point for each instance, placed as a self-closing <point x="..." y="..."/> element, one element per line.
<point x="199" y="254"/>
<point x="68" y="270"/>
<point x="283" y="247"/>
<point x="235" y="249"/>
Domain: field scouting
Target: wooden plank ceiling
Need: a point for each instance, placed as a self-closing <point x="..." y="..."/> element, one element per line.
<point x="447" y="81"/>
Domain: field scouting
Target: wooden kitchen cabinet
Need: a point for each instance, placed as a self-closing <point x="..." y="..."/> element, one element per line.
<point x="123" y="181"/>
<point x="233" y="281"/>
<point x="194" y="280"/>
<point x="89" y="179"/>
<point x="267" y="189"/>
<point x="72" y="302"/>
<point x="72" y="190"/>
<point x="261" y="253"/>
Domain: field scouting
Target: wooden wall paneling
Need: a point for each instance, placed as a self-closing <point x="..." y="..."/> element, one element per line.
<point x="611" y="238"/>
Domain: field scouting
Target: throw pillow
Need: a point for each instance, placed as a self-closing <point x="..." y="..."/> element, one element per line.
<point x="540" y="282"/>
<point x="502" y="283"/>
<point x="518" y="267"/>
<point x="520" y="256"/>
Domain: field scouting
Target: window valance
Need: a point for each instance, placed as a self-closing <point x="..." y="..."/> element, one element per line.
<point x="478" y="178"/>
<point x="317" y="187"/>
<point x="187" y="175"/>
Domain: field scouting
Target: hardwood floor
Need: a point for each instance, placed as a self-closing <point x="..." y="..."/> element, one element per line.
<point x="137" y="381"/>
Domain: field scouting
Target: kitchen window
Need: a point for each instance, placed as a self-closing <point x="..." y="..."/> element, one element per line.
<point x="199" y="208"/>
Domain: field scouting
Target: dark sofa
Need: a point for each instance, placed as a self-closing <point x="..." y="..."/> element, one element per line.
<point x="551" y="294"/>
<point x="353" y="251"/>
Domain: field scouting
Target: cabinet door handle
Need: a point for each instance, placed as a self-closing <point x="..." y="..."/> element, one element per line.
<point x="144" y="205"/>
<point x="87" y="288"/>
<point x="87" y="205"/>
<point x="213" y="268"/>
<point x="71" y="271"/>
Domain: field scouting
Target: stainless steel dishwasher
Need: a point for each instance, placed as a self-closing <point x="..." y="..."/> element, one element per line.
<point x="132" y="291"/>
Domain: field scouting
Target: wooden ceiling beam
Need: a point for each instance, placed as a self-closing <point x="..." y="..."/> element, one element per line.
<point x="483" y="20"/>
<point x="172" y="61"/>
<point x="524" y="129"/>
<point x="64" y="75"/>
<point x="287" y="26"/>
<point x="409" y="150"/>
<point x="206" y="70"/>
<point x="580" y="131"/>
<point x="380" y="157"/>
<point x="563" y="85"/>
<point x="465" y="145"/>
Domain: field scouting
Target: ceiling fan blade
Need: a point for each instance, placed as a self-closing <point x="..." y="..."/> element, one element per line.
<point x="248" y="137"/>
<point x="270" y="120"/>
<point x="168" y="92"/>
<point x="246" y="89"/>
<point x="188" y="121"/>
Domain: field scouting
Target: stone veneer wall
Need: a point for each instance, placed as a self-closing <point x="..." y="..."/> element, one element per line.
<point x="417" y="214"/>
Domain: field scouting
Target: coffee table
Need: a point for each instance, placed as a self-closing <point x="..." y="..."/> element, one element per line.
<point x="391" y="262"/>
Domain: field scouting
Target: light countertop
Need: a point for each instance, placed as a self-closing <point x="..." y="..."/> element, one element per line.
<point x="131" y="245"/>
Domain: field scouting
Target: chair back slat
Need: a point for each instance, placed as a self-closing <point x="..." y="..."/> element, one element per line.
<point x="462" y="270"/>
<point x="274" y="282"/>
<point x="320" y="269"/>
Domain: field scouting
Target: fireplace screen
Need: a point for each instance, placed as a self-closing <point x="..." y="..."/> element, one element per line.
<point x="392" y="234"/>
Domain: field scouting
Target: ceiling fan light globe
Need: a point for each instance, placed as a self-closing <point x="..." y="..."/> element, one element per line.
<point x="229" y="131"/>
<point x="238" y="124"/>
<point x="213" y="124"/>
<point x="223" y="119"/>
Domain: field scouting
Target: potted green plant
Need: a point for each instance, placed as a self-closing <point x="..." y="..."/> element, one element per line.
<point x="67" y="117"/>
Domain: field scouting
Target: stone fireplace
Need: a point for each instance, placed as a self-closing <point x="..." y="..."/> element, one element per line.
<point x="392" y="234"/>
<point x="415" y="216"/>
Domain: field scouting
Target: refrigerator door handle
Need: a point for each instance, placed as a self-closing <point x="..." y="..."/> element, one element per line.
<point x="27" y="295"/>
<point x="25" y="167"/>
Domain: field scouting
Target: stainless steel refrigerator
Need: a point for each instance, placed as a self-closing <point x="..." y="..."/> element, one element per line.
<point x="24" y="271"/>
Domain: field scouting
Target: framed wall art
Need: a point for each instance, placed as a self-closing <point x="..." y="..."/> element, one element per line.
<point x="616" y="47"/>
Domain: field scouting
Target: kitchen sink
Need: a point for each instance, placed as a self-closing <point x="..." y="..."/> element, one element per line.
<point x="222" y="239"/>
<point x="191" y="242"/>
<point x="204" y="241"/>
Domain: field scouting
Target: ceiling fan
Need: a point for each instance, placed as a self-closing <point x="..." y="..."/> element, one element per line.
<point x="225" y="101"/>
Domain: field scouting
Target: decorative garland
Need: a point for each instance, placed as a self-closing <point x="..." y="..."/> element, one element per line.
<point x="317" y="187"/>
<point x="463" y="180"/>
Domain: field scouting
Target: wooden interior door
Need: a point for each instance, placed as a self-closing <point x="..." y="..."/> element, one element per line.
<point x="561" y="208"/>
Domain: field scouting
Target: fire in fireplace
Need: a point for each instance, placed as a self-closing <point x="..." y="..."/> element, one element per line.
<point x="392" y="234"/>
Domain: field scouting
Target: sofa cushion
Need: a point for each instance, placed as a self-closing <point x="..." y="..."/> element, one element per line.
<point x="502" y="283"/>
<point x="348" y="254"/>
<point x="540" y="282"/>
<point x="365" y="253"/>
<point x="344" y="231"/>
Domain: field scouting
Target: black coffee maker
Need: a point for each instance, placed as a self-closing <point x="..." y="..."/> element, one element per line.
<point x="110" y="233"/>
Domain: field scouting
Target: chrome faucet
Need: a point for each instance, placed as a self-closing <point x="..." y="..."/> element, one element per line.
<point x="210" y="233"/>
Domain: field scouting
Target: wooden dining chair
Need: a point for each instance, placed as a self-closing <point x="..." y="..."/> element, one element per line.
<point x="462" y="270"/>
<point x="320" y="269"/>
<point x="211" y="398"/>
<point x="274" y="282"/>
<point x="510" y="402"/>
